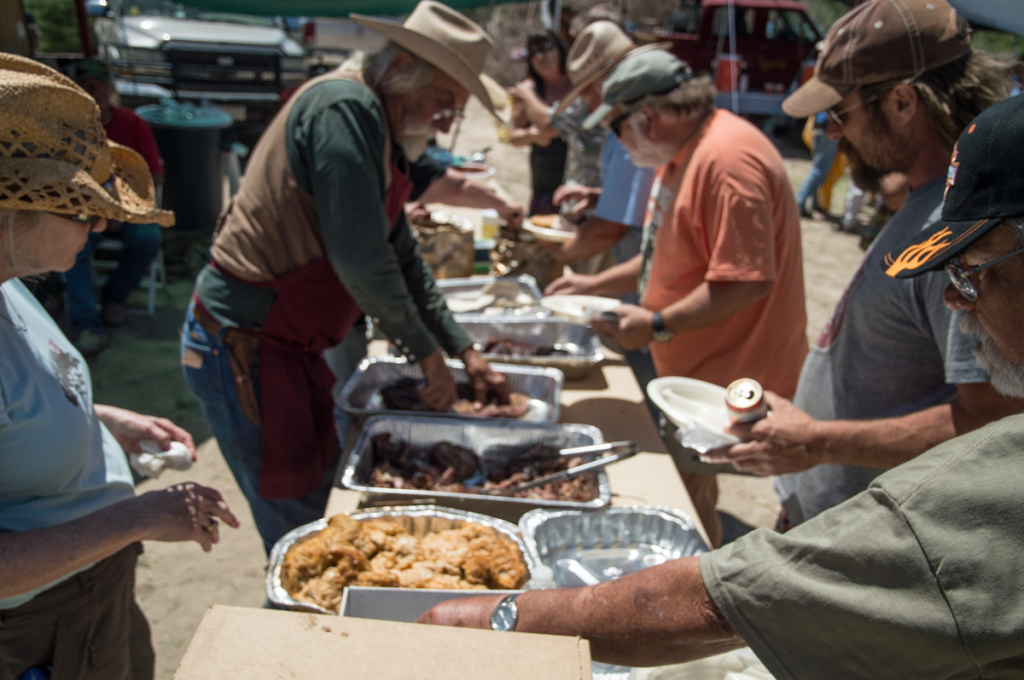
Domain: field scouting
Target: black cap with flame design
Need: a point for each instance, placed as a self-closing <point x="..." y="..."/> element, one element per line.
<point x="985" y="186"/>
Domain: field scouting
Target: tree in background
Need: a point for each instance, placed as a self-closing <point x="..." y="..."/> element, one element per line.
<point x="57" y="22"/>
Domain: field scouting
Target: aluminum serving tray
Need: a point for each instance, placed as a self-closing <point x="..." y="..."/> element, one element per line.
<point x="585" y="548"/>
<point x="583" y="345"/>
<point x="542" y="385"/>
<point x="502" y="287"/>
<point x="419" y="520"/>
<point x="491" y="440"/>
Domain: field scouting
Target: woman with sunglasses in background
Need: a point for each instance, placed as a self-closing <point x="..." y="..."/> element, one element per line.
<point x="70" y="524"/>
<point x="547" y="80"/>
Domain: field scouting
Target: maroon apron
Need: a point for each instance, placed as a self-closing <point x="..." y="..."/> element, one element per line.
<point x="312" y="312"/>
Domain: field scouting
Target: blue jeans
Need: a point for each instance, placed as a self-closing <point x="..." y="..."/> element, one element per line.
<point x="240" y="440"/>
<point x="824" y="156"/>
<point x="141" y="244"/>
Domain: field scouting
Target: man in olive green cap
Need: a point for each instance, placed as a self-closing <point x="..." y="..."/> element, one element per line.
<point x="719" y="275"/>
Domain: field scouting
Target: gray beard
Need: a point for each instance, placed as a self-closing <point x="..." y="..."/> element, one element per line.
<point x="1007" y="379"/>
<point x="414" y="140"/>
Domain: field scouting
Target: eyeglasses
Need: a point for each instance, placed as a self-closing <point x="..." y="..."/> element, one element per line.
<point x="961" y="278"/>
<point x="445" y="112"/>
<point x="91" y="220"/>
<point x="837" y="116"/>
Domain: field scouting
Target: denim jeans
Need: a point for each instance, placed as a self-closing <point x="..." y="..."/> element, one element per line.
<point x="824" y="155"/>
<point x="141" y="244"/>
<point x="241" y="441"/>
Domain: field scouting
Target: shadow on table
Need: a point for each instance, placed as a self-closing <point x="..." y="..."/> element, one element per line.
<point x="618" y="419"/>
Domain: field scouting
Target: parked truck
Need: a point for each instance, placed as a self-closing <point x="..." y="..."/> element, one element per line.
<point x="245" y="64"/>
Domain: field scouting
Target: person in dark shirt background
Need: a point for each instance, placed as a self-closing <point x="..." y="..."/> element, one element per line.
<point x="141" y="241"/>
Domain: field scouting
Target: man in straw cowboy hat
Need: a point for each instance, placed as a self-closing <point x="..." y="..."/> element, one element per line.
<point x="316" y="237"/>
<point x="720" y="276"/>
<point x="917" y="577"/>
<point x="891" y="374"/>
<point x="70" y="522"/>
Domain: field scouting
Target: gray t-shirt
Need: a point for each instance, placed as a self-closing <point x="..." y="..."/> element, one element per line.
<point x="891" y="348"/>
<point x="916" y="578"/>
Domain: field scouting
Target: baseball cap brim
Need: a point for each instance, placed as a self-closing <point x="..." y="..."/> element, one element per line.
<point x="813" y="97"/>
<point x="599" y="114"/>
<point x="935" y="246"/>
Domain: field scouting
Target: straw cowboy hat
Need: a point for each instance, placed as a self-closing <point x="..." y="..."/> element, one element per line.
<point x="446" y="39"/>
<point x="595" y="52"/>
<point x="55" y="156"/>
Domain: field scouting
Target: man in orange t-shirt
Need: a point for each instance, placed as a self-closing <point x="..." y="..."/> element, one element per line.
<point x="720" y="273"/>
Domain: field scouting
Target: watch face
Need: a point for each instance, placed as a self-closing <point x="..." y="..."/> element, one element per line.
<point x="504" y="616"/>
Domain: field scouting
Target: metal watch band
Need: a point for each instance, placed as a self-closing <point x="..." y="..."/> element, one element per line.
<point x="506" y="614"/>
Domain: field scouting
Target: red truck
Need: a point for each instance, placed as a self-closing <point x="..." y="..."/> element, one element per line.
<point x="774" y="42"/>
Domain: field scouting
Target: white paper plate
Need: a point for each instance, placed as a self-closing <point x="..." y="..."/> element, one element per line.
<point x="580" y="308"/>
<point x="692" y="404"/>
<point x="546" y="234"/>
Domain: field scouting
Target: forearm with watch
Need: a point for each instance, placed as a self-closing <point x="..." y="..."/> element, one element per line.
<point x="709" y="303"/>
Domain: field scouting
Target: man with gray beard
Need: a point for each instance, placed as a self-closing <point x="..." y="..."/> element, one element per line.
<point x="890" y="375"/>
<point x="916" y="578"/>
<point x="317" y="237"/>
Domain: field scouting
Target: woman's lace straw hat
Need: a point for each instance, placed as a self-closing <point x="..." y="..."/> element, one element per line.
<point x="55" y="156"/>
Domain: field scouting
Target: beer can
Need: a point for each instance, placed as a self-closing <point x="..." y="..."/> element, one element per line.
<point x="744" y="400"/>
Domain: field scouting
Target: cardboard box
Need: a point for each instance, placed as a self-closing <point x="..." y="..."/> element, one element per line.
<point x="235" y="643"/>
<point x="400" y="604"/>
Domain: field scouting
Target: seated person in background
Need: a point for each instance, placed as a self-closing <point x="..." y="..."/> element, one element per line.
<point x="918" y="577"/>
<point x="141" y="241"/>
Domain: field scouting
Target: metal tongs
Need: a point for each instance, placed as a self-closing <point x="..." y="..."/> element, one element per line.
<point x="619" y="450"/>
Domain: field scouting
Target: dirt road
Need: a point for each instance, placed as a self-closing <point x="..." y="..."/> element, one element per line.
<point x="177" y="582"/>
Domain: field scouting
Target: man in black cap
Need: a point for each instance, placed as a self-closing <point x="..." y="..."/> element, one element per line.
<point x="890" y="375"/>
<point x="917" y="577"/>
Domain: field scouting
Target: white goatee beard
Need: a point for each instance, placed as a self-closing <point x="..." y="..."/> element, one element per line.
<point x="1007" y="379"/>
<point x="415" y="139"/>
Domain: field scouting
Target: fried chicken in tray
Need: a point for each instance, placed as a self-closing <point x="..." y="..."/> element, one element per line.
<point x="381" y="553"/>
<point x="455" y="469"/>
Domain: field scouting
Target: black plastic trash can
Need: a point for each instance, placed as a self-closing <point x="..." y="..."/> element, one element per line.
<point x="189" y="138"/>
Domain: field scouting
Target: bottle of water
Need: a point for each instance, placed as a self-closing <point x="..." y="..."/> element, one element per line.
<point x="37" y="673"/>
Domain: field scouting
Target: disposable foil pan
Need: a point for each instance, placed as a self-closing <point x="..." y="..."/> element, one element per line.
<point x="583" y="347"/>
<point x="462" y="294"/>
<point x="418" y="521"/>
<point x="361" y="394"/>
<point x="585" y="548"/>
<point x="492" y="440"/>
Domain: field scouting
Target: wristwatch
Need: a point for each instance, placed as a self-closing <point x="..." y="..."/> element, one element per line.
<point x="506" y="615"/>
<point x="661" y="333"/>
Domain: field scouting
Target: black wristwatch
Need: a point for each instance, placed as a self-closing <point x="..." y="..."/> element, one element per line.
<point x="505" y="615"/>
<point x="661" y="333"/>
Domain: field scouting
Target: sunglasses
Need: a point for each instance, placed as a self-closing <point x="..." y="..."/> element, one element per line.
<point x="837" y="116"/>
<point x="961" y="278"/>
<point x="446" y="111"/>
<point x="615" y="125"/>
<point x="91" y="220"/>
<point x="541" y="48"/>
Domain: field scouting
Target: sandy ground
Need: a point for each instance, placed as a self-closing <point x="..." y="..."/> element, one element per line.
<point x="177" y="582"/>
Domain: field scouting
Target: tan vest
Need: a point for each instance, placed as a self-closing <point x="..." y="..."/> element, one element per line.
<point x="271" y="227"/>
